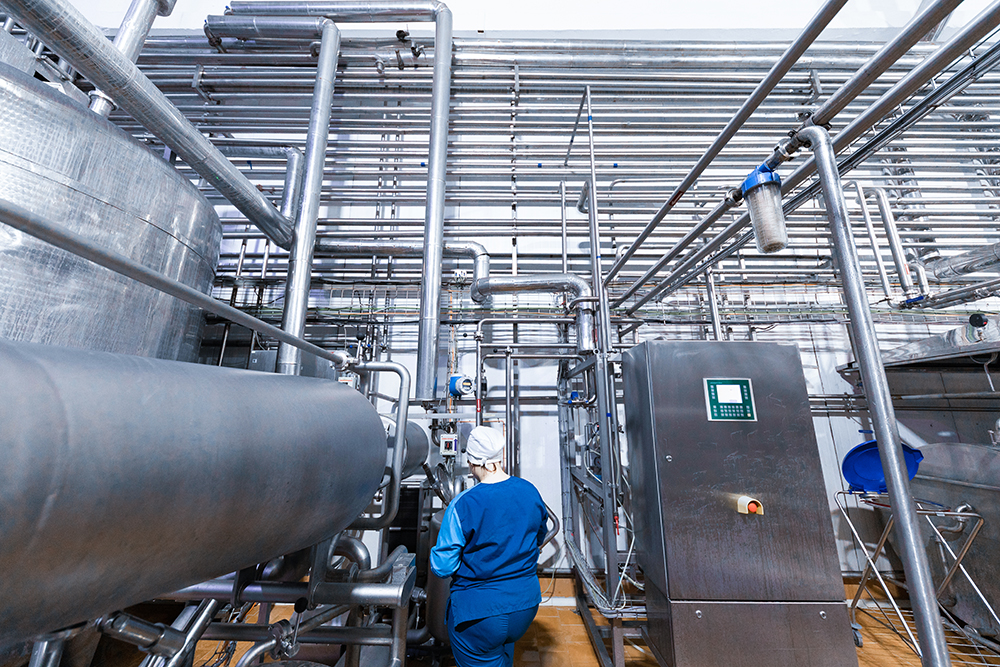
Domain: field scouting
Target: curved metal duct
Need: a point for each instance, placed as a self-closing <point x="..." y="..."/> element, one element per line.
<point x="62" y="162"/>
<point x="124" y="478"/>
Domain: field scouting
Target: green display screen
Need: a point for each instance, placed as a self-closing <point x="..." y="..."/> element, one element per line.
<point x="729" y="399"/>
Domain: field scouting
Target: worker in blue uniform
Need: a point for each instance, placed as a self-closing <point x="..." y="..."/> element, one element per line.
<point x="488" y="544"/>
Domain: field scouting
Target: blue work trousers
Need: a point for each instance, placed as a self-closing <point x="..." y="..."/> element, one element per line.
<point x="488" y="642"/>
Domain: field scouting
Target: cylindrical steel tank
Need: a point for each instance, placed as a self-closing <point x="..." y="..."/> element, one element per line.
<point x="123" y="477"/>
<point x="65" y="163"/>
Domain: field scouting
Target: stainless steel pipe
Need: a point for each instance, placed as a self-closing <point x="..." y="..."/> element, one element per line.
<point x="291" y="193"/>
<point x="129" y="39"/>
<point x="126" y="477"/>
<point x="352" y="248"/>
<point x="390" y="504"/>
<point x="934" y="649"/>
<point x="549" y="282"/>
<point x="787" y="60"/>
<point x="300" y="259"/>
<point x="67" y="32"/>
<point x="983" y="259"/>
<point x="368" y="11"/>
<point x="913" y="81"/>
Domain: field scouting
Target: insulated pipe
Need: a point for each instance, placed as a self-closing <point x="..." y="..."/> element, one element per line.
<point x="760" y="93"/>
<point x="126" y="477"/>
<point x="549" y="282"/>
<point x="67" y="32"/>
<point x="369" y="11"/>
<point x="973" y="261"/>
<point x="471" y="249"/>
<point x="300" y="259"/>
<point x="129" y="39"/>
<point x="934" y="650"/>
<point x="429" y="330"/>
<point x="291" y="194"/>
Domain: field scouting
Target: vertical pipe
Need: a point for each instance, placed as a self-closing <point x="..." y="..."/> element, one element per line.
<point x="129" y="39"/>
<point x="300" y="257"/>
<point x="232" y="301"/>
<point x="430" y="291"/>
<point x="895" y="244"/>
<point x="605" y="393"/>
<point x="876" y="251"/>
<point x="934" y="650"/>
<point x="508" y="390"/>
<point x="713" y="305"/>
<point x="397" y="650"/>
<point x="562" y="218"/>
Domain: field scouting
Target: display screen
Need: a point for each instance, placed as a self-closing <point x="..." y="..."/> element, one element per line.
<point x="729" y="399"/>
<point x="729" y="393"/>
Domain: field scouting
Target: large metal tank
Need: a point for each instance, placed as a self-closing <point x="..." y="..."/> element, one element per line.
<point x="61" y="161"/>
<point x="123" y="478"/>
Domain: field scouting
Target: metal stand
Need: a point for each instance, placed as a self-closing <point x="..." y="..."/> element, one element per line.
<point x="897" y="621"/>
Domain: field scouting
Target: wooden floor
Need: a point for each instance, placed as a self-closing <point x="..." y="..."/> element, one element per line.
<point x="558" y="638"/>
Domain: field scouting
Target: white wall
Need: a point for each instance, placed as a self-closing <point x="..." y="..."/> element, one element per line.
<point x="597" y="15"/>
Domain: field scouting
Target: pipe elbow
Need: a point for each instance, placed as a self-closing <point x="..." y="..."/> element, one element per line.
<point x="580" y="288"/>
<point x="439" y="9"/>
<point x="476" y="291"/>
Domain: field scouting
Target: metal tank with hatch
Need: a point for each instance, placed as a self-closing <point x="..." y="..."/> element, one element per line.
<point x="65" y="163"/>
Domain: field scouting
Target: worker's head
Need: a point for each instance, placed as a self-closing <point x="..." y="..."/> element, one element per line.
<point x="484" y="448"/>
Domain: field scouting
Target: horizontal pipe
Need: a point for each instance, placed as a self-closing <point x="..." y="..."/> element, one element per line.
<point x="125" y="477"/>
<point x="347" y="11"/>
<point x="894" y="49"/>
<point x="242" y="632"/>
<point x="326" y="246"/>
<point x="983" y="259"/>
<point x="777" y="72"/>
<point x="67" y="32"/>
<point x="256" y="27"/>
<point x="553" y="283"/>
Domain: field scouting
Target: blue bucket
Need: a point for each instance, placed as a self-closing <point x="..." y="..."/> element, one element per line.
<point x="862" y="467"/>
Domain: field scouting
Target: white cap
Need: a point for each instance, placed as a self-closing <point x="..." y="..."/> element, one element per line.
<point x="485" y="445"/>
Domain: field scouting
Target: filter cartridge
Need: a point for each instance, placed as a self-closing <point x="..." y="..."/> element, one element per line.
<point x="762" y="193"/>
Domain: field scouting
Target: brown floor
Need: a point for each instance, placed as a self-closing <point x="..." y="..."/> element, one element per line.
<point x="558" y="638"/>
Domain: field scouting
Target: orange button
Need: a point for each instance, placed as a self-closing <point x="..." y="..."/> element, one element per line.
<point x="752" y="508"/>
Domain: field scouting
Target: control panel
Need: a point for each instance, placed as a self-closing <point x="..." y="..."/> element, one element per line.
<point x="729" y="399"/>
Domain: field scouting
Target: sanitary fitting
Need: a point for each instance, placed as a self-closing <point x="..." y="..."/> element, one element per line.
<point x="343" y="360"/>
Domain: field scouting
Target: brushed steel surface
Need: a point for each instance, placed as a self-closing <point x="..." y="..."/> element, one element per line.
<point x="124" y="477"/>
<point x="952" y="474"/>
<point x="944" y="419"/>
<point x="748" y="634"/>
<point x="961" y="342"/>
<point x="688" y="473"/>
<point x="62" y="162"/>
